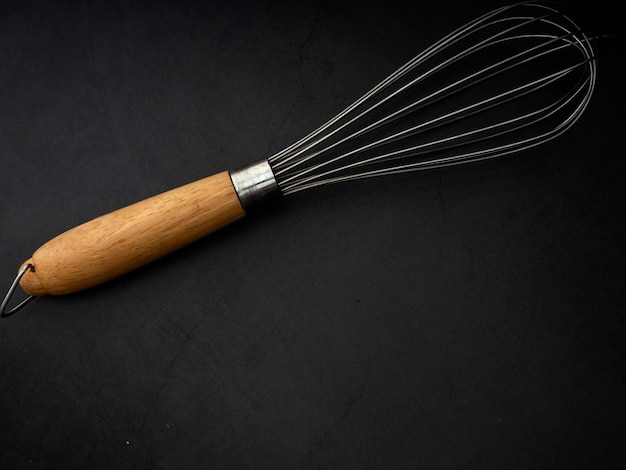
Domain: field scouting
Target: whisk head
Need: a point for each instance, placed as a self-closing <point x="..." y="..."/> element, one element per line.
<point x="507" y="81"/>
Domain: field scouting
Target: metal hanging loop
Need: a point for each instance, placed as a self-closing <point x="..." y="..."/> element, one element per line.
<point x="3" y="308"/>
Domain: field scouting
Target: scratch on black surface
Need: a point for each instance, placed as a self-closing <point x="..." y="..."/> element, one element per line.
<point x="168" y="373"/>
<point x="326" y="434"/>
<point x="189" y="335"/>
<point x="357" y="395"/>
<point x="301" y="49"/>
<point x="14" y="357"/>
<point x="440" y="194"/>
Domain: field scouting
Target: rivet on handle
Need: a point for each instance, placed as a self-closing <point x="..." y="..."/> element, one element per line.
<point x="3" y="308"/>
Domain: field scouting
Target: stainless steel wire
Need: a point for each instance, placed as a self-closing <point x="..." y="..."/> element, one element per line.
<point x="510" y="80"/>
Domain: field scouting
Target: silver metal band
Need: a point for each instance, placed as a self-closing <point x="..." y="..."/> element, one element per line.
<point x="255" y="183"/>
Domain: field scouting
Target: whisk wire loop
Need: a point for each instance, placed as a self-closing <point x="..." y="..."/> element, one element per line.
<point x="515" y="93"/>
<point x="507" y="81"/>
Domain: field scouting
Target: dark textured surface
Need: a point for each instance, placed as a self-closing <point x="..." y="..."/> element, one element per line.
<point x="466" y="318"/>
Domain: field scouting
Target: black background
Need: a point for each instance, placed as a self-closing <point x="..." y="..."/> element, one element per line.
<point x="463" y="318"/>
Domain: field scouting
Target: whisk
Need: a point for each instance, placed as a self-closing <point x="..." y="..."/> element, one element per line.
<point x="510" y="80"/>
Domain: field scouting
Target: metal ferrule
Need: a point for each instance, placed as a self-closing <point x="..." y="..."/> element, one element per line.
<point x="255" y="183"/>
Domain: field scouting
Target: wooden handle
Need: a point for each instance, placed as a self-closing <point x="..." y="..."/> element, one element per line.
<point x="123" y="240"/>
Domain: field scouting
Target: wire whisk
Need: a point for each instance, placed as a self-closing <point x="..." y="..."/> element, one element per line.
<point x="508" y="81"/>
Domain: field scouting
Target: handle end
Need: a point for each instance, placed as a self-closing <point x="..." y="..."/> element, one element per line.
<point x="30" y="282"/>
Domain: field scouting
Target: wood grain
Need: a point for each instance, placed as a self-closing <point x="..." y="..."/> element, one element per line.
<point x="116" y="243"/>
